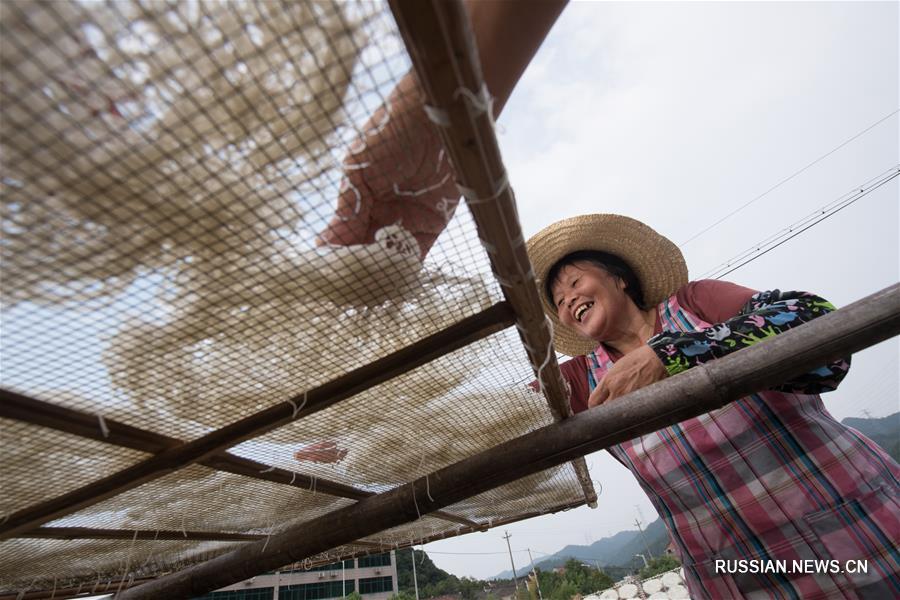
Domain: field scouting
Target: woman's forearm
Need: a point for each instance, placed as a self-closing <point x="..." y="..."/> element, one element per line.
<point x="766" y="314"/>
<point x="508" y="34"/>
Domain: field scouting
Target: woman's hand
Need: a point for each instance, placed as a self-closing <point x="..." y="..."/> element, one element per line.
<point x="404" y="148"/>
<point x="639" y="368"/>
<point x="321" y="452"/>
<point x="396" y="173"/>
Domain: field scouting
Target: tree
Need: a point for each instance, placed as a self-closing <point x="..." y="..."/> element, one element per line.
<point x="664" y="563"/>
<point x="576" y="578"/>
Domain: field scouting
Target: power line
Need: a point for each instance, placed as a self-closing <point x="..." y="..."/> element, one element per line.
<point x="785" y="180"/>
<point x="792" y="231"/>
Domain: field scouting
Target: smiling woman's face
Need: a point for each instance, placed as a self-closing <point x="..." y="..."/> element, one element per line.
<point x="591" y="301"/>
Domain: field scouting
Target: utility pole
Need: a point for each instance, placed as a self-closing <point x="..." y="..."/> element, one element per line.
<point x="515" y="579"/>
<point x="646" y="547"/>
<point x="641" y="529"/>
<point x="533" y="570"/>
<point x="415" y="581"/>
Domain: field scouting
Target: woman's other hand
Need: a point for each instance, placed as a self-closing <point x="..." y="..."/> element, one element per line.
<point x="639" y="368"/>
<point x="321" y="452"/>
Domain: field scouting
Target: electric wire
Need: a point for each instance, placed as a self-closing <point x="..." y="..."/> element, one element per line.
<point x="761" y="248"/>
<point x="788" y="178"/>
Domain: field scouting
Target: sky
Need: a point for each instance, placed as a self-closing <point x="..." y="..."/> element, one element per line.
<point x="678" y="114"/>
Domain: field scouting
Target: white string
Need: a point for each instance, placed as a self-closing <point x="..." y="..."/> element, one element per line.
<point x="472" y="195"/>
<point x="428" y="488"/>
<point x="415" y="502"/>
<point x="150" y="556"/>
<point x="268" y="537"/>
<point x="549" y="352"/>
<point x="270" y="469"/>
<point x="384" y="121"/>
<point x="103" y="428"/>
<point x="489" y="247"/>
<point x="53" y="594"/>
<point x="422" y="191"/>
<point x="355" y="167"/>
<point x="183" y="529"/>
<point x="482" y="102"/>
<point x="297" y="408"/>
<point x="127" y="563"/>
<point x="293" y="477"/>
<point x="436" y="115"/>
<point x="345" y="183"/>
<point x="21" y="594"/>
<point x="447" y="206"/>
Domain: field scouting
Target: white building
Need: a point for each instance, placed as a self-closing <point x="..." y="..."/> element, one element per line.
<point x="373" y="577"/>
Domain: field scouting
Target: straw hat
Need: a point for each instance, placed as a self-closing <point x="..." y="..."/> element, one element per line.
<point x="657" y="262"/>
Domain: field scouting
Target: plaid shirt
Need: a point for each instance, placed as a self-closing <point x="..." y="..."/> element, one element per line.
<point x="771" y="477"/>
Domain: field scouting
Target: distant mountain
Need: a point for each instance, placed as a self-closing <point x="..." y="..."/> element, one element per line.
<point x="615" y="551"/>
<point x="884" y="431"/>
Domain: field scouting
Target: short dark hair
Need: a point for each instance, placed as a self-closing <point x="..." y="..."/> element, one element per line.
<point x="610" y="263"/>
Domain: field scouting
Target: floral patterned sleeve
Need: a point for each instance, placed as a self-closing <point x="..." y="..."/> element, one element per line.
<point x="766" y="314"/>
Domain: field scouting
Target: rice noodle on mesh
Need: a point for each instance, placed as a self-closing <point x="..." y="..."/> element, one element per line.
<point x="177" y="131"/>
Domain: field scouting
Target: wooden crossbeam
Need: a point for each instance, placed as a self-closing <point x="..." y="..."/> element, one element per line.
<point x="37" y="412"/>
<point x="471" y="329"/>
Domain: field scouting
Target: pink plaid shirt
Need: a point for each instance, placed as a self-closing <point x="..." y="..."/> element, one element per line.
<point x="764" y="484"/>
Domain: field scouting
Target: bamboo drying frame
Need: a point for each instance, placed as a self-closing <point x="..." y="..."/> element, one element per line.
<point x="442" y="48"/>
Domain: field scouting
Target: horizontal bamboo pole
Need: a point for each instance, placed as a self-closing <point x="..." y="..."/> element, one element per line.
<point x="445" y="58"/>
<point x="37" y="412"/>
<point x="694" y="392"/>
<point x="459" y="335"/>
<point x="371" y="548"/>
<point x="88" y="533"/>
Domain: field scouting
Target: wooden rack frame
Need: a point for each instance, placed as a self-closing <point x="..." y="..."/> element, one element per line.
<point x="444" y="56"/>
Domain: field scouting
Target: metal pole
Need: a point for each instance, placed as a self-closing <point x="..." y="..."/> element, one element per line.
<point x="515" y="579"/>
<point x="533" y="570"/>
<point x="643" y="537"/>
<point x="415" y="581"/>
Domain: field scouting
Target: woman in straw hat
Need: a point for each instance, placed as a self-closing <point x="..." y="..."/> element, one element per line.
<point x="751" y="491"/>
<point x="772" y="476"/>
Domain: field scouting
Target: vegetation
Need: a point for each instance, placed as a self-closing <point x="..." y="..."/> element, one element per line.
<point x="432" y="581"/>
<point x="576" y="578"/>
<point x="664" y="563"/>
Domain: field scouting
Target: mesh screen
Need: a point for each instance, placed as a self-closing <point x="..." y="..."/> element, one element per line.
<point x="39" y="464"/>
<point x="168" y="171"/>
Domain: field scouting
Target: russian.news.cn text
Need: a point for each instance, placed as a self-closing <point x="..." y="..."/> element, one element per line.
<point x="790" y="567"/>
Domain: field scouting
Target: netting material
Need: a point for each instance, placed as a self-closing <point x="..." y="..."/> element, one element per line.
<point x="39" y="464"/>
<point x="167" y="167"/>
